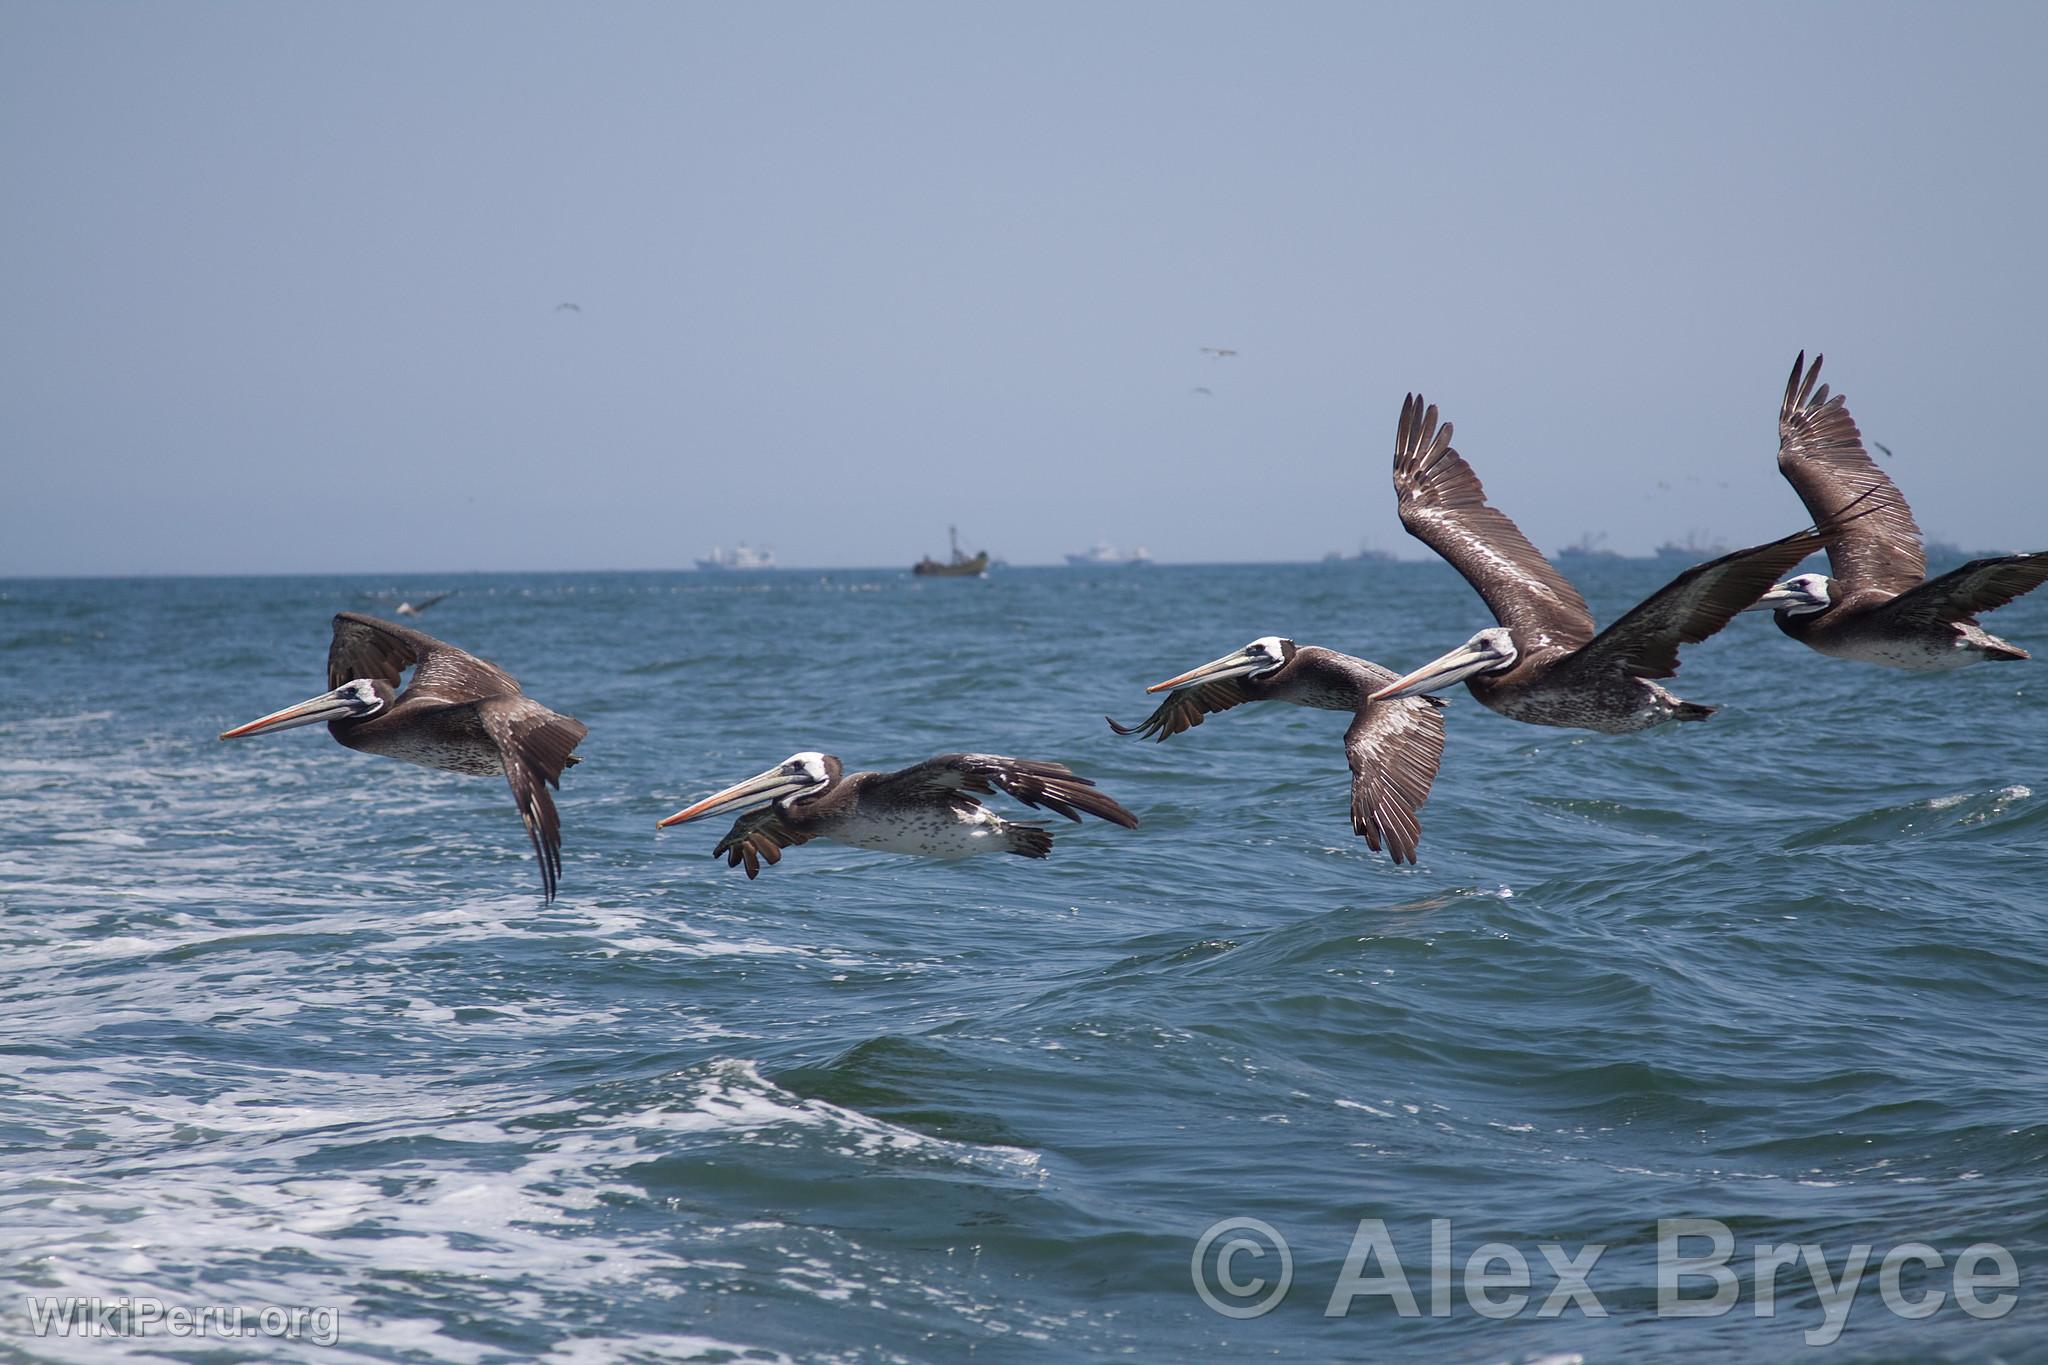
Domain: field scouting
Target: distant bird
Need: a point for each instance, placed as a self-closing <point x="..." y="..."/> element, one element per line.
<point x="1220" y="352"/>
<point x="1879" y="444"/>
<point x="414" y="609"/>
<point x="568" y="308"/>
<point x="460" y="714"/>
<point x="928" y="809"/>
<point x="1879" y="606"/>
<point x="1394" y="746"/>
<point x="1544" y="664"/>
<point x="1199" y="389"/>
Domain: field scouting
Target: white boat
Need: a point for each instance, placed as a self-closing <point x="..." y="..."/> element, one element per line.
<point x="1104" y="553"/>
<point x="721" y="559"/>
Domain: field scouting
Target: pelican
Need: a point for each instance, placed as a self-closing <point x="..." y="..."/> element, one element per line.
<point x="414" y="609"/>
<point x="1880" y="606"/>
<point x="460" y="714"/>
<point x="1544" y="663"/>
<point x="1394" y="747"/>
<point x="928" y="809"/>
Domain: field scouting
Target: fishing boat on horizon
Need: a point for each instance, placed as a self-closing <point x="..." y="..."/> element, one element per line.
<point x="1695" y="549"/>
<point x="959" y="566"/>
<point x="1104" y="555"/>
<point x="1587" y="546"/>
<point x="739" y="557"/>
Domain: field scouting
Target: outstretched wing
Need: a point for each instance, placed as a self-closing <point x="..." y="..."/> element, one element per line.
<point x="1187" y="707"/>
<point x="1394" y="748"/>
<point x="365" y="647"/>
<point x="1820" y="453"/>
<point x="1692" y="606"/>
<point x="1444" y="506"/>
<point x="1051" y="786"/>
<point x="535" y="744"/>
<point x="1959" y="595"/>
<point x="758" y="837"/>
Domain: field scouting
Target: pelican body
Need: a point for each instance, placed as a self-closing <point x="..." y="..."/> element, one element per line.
<point x="1544" y="664"/>
<point x="1879" y="606"/>
<point x="460" y="714"/>
<point x="928" y="810"/>
<point x="1393" y="746"/>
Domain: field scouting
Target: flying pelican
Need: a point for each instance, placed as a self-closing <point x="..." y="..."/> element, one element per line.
<point x="928" y="809"/>
<point x="1220" y="352"/>
<point x="1879" y="606"/>
<point x="414" y="609"/>
<point x="1394" y="747"/>
<point x="461" y="714"/>
<point x="1544" y="664"/>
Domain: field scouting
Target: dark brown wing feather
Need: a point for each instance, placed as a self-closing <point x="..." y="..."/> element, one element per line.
<point x="1186" y="707"/>
<point x="1051" y="786"/>
<point x="1394" y="748"/>
<point x="535" y="745"/>
<point x="364" y="647"/>
<point x="1444" y="506"/>
<point x="1644" y="641"/>
<point x="758" y="837"/>
<point x="1820" y="453"/>
<point x="1957" y="596"/>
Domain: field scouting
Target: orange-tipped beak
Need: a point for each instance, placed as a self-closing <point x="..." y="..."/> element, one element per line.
<point x="1229" y="666"/>
<point x="326" y="706"/>
<point x="755" y="791"/>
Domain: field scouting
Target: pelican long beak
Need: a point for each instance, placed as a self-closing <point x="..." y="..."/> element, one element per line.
<point x="326" y="706"/>
<point x="772" y="785"/>
<point x="1229" y="666"/>
<point x="1454" y="667"/>
<point x="1778" y="597"/>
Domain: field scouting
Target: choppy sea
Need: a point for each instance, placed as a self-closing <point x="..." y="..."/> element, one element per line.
<point x="284" y="1026"/>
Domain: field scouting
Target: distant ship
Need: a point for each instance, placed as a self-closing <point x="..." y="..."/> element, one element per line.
<point x="1587" y="546"/>
<point x="1367" y="554"/>
<point x="1105" y="554"/>
<point x="1695" y="550"/>
<point x="959" y="566"/>
<point x="722" y="560"/>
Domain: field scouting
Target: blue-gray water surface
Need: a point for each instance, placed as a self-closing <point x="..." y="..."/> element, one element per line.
<point x="288" y="1025"/>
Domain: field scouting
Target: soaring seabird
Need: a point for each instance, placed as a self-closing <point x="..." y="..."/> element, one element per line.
<point x="1544" y="663"/>
<point x="1394" y="746"/>
<point x="460" y="714"/>
<point x="1879" y="606"/>
<point x="928" y="809"/>
<point x="415" y="608"/>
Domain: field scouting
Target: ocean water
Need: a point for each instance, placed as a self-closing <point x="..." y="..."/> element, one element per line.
<point x="283" y="1025"/>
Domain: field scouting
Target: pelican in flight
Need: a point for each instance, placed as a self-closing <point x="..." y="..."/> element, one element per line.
<point x="1394" y="746"/>
<point x="460" y="714"/>
<point x="1219" y="352"/>
<point x="1880" y="606"/>
<point x="415" y="608"/>
<point x="1544" y="663"/>
<point x="928" y="809"/>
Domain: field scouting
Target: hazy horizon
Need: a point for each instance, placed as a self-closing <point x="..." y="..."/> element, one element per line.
<point x="285" y="282"/>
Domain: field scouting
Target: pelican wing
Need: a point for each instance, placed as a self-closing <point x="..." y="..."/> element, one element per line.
<point x="1394" y="748"/>
<point x="1051" y="786"/>
<point x="535" y="745"/>
<point x="1187" y="707"/>
<point x="1444" y="506"/>
<point x="1957" y="596"/>
<point x="365" y="647"/>
<point x="758" y="837"/>
<point x="1820" y="453"/>
<point x="1692" y="606"/>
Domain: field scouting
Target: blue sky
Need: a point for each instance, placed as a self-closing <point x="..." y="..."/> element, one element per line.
<point x="282" y="279"/>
